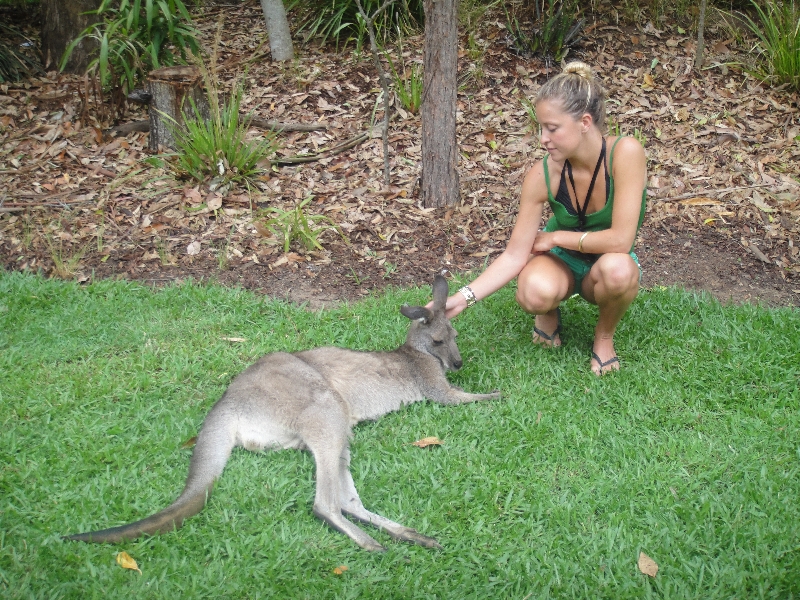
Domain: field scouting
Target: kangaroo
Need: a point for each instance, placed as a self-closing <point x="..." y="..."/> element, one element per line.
<point x="311" y="400"/>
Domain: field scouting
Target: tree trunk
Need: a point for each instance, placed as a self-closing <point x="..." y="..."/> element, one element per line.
<point x="62" y="22"/>
<point x="439" y="147"/>
<point x="173" y="89"/>
<point x="280" y="37"/>
<point x="698" y="57"/>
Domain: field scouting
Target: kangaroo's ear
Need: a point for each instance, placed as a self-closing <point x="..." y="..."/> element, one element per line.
<point x="417" y="313"/>
<point x="440" y="292"/>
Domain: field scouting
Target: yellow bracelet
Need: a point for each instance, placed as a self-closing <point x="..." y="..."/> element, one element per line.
<point x="580" y="242"/>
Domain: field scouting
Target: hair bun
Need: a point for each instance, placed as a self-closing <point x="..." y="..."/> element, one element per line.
<point x="580" y="68"/>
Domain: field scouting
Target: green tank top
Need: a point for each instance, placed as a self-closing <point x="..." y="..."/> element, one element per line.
<point x="563" y="220"/>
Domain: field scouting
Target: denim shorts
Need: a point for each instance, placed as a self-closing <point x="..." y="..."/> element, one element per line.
<point x="580" y="267"/>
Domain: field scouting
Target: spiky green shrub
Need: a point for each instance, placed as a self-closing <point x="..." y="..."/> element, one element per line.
<point x="216" y="148"/>
<point x="778" y="42"/>
<point x="296" y="226"/>
<point x="339" y="20"/>
<point x="550" y="31"/>
<point x="407" y="85"/>
<point x="135" y="37"/>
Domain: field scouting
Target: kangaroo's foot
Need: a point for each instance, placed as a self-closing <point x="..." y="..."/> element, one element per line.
<point x="351" y="530"/>
<point x="352" y="507"/>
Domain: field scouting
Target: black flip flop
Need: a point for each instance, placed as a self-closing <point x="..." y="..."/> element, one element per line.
<point x="552" y="336"/>
<point x="610" y="361"/>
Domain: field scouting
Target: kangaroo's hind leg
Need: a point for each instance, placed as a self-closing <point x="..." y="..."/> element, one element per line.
<point x="325" y="431"/>
<point x="352" y="505"/>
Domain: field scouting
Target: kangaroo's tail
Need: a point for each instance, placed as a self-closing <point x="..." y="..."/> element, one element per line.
<point x="214" y="445"/>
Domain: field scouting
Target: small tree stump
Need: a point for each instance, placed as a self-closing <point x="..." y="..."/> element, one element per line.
<point x="173" y="89"/>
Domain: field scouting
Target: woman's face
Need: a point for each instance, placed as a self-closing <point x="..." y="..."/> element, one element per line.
<point x="561" y="133"/>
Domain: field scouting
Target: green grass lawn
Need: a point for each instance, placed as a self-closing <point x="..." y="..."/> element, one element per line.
<point x="690" y="454"/>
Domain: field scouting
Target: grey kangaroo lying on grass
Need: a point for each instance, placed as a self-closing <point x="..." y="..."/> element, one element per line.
<point x="311" y="400"/>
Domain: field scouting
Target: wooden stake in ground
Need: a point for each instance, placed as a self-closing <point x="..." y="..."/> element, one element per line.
<point x="439" y="145"/>
<point x="698" y="57"/>
<point x="370" y="23"/>
<point x="173" y="91"/>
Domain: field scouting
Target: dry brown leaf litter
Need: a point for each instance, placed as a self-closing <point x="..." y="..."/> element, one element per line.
<point x="723" y="174"/>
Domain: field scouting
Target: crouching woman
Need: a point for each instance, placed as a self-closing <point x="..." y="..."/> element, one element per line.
<point x="595" y="185"/>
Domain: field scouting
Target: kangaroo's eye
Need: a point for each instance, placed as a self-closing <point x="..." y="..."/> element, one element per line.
<point x="437" y="342"/>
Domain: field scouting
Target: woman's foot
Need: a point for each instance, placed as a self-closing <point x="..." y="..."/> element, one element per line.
<point x="548" y="322"/>
<point x="604" y="357"/>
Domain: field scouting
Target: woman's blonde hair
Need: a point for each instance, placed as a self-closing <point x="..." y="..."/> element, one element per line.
<point x="578" y="92"/>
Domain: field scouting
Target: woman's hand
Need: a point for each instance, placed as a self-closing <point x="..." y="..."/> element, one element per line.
<point x="455" y="304"/>
<point x="545" y="240"/>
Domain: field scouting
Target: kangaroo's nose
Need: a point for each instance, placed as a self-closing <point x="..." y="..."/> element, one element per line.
<point x="457" y="364"/>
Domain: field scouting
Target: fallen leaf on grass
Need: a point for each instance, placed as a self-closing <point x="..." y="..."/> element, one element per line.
<point x="234" y="339"/>
<point x="125" y="561"/>
<point x="340" y="569"/>
<point x="262" y="231"/>
<point x="647" y="565"/>
<point x="189" y="443"/>
<point x="428" y="441"/>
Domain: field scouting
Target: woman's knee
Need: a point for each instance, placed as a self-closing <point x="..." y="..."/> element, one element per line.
<point x="539" y="292"/>
<point x="617" y="273"/>
<point x="534" y="299"/>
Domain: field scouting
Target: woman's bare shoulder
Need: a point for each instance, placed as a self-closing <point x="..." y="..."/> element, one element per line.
<point x="625" y="146"/>
<point x="534" y="186"/>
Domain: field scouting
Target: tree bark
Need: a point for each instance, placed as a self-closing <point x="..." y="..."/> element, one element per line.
<point x="172" y="90"/>
<point x="439" y="147"/>
<point x="280" y="37"/>
<point x="62" y="22"/>
<point x="698" y="58"/>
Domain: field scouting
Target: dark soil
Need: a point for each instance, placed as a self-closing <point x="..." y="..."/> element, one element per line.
<point x="712" y="262"/>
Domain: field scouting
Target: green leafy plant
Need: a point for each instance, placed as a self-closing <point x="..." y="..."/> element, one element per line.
<point x="551" y="32"/>
<point x="340" y="21"/>
<point x="640" y="136"/>
<point x="614" y="127"/>
<point x="216" y="149"/>
<point x="357" y="279"/>
<point x="389" y="269"/>
<point x="213" y="146"/>
<point x="135" y="37"/>
<point x="408" y="85"/>
<point x="295" y="225"/>
<point x="778" y="46"/>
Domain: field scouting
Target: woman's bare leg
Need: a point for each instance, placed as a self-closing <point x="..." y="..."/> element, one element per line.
<point x="541" y="286"/>
<point x="612" y="284"/>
